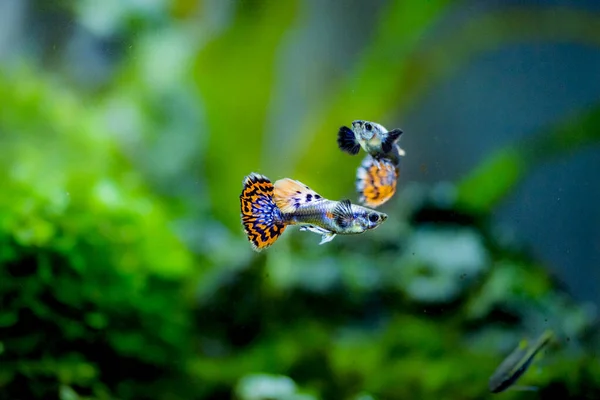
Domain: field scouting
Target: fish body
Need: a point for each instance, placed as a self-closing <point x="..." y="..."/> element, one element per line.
<point x="517" y="362"/>
<point x="267" y="209"/>
<point x="374" y="138"/>
<point x="378" y="173"/>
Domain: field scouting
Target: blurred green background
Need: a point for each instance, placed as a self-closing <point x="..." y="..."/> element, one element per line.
<point x="126" y="128"/>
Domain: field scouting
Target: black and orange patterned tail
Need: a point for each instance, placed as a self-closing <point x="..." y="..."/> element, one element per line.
<point x="262" y="219"/>
<point x="376" y="181"/>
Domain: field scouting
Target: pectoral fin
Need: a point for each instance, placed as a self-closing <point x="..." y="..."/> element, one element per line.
<point x="343" y="213"/>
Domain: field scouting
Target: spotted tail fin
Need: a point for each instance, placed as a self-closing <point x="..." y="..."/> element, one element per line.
<point x="376" y="181"/>
<point x="261" y="218"/>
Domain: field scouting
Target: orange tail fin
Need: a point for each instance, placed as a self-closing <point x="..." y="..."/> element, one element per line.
<point x="376" y="181"/>
<point x="261" y="218"/>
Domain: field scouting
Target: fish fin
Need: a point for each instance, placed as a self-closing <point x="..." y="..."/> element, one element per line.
<point x="327" y="237"/>
<point x="289" y="195"/>
<point x="315" y="229"/>
<point x="347" y="141"/>
<point x="261" y="218"/>
<point x="343" y="214"/>
<point x="401" y="151"/>
<point x="376" y="181"/>
<point x="390" y="138"/>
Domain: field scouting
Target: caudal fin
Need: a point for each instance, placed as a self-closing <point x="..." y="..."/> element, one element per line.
<point x="347" y="141"/>
<point x="376" y="181"/>
<point x="261" y="218"/>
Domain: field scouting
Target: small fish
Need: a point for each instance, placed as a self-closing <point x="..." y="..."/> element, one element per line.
<point x="267" y="209"/>
<point x="379" y="171"/>
<point x="374" y="138"/>
<point x="515" y="365"/>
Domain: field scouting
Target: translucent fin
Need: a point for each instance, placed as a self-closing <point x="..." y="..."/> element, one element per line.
<point x="261" y="218"/>
<point x="327" y="237"/>
<point x="343" y="213"/>
<point x="389" y="139"/>
<point x="315" y="229"/>
<point x="376" y="181"/>
<point x="347" y="141"/>
<point x="401" y="151"/>
<point x="289" y="195"/>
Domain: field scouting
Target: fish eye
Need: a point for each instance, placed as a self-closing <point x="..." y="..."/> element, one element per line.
<point x="373" y="217"/>
<point x="368" y="126"/>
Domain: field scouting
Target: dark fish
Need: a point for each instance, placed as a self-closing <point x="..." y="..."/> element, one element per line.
<point x="517" y="362"/>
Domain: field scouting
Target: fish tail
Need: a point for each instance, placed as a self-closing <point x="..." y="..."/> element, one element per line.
<point x="262" y="220"/>
<point x="376" y="181"/>
<point x="347" y="141"/>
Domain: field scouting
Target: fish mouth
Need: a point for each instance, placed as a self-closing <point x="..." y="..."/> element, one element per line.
<point x="383" y="217"/>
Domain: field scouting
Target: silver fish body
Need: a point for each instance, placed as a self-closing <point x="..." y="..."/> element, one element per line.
<point x="339" y="217"/>
<point x="376" y="140"/>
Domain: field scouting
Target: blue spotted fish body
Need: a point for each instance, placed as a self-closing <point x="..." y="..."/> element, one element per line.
<point x="267" y="209"/>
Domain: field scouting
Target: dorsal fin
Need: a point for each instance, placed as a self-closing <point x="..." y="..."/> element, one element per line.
<point x="343" y="213"/>
<point x="389" y="139"/>
<point x="289" y="195"/>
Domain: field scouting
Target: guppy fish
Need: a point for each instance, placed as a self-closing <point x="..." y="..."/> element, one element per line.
<point x="378" y="173"/>
<point x="267" y="209"/>
<point x="517" y="362"/>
